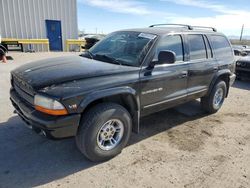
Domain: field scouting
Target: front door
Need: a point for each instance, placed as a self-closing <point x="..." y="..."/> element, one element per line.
<point x="164" y="85"/>
<point x="54" y="34"/>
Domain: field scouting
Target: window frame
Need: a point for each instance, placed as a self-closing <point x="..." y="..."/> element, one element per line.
<point x="213" y="47"/>
<point x="208" y="46"/>
<point x="155" y="58"/>
<point x="189" y="48"/>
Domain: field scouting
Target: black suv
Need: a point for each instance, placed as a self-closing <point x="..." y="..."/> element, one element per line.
<point x="100" y="96"/>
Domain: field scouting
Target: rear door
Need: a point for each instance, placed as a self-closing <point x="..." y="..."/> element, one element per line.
<point x="164" y="85"/>
<point x="202" y="65"/>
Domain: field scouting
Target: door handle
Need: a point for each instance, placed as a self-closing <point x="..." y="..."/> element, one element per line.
<point x="215" y="69"/>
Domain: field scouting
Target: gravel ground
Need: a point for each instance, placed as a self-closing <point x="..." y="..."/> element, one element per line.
<point x="180" y="147"/>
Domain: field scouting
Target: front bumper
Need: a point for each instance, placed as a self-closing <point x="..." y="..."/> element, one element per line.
<point x="243" y="72"/>
<point x="232" y="79"/>
<point x="53" y="126"/>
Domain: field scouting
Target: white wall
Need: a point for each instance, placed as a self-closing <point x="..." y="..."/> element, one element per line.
<point x="26" y="18"/>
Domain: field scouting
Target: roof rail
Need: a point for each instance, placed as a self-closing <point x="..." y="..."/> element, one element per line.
<point x="182" y="25"/>
<point x="202" y="27"/>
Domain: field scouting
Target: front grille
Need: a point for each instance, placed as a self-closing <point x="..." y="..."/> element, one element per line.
<point x="22" y="85"/>
<point x="23" y="90"/>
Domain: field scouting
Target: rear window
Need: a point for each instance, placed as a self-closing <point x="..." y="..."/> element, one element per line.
<point x="221" y="46"/>
<point x="197" y="47"/>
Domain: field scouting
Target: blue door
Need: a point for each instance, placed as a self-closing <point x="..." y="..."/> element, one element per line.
<point x="54" y="34"/>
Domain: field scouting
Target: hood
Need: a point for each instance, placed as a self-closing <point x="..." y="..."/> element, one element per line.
<point x="244" y="59"/>
<point x="54" y="71"/>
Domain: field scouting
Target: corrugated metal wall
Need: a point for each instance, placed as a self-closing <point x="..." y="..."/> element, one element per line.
<point x="26" y="18"/>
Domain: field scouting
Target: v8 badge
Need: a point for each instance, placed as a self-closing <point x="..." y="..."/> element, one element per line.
<point x="73" y="106"/>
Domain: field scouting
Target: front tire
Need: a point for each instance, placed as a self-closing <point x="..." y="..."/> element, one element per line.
<point x="214" y="101"/>
<point x="104" y="131"/>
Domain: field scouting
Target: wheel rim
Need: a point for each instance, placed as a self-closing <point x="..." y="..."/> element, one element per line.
<point x="110" y="134"/>
<point x="218" y="98"/>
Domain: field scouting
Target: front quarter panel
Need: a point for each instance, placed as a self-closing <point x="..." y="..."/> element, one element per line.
<point x="75" y="94"/>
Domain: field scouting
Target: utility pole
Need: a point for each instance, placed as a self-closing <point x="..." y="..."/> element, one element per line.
<point x="242" y="29"/>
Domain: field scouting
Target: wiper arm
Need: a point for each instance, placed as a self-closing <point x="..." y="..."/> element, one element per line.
<point x="111" y="59"/>
<point x="87" y="54"/>
<point x="90" y="54"/>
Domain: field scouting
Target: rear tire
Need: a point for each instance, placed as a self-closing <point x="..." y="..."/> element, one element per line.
<point x="214" y="101"/>
<point x="104" y="131"/>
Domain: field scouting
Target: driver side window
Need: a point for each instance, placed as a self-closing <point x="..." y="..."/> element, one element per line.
<point x="173" y="43"/>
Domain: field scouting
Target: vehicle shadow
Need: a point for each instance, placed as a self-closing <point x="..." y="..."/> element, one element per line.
<point x="163" y="121"/>
<point x="28" y="160"/>
<point x="245" y="84"/>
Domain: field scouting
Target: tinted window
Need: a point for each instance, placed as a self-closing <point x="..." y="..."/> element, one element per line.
<point x="208" y="47"/>
<point x="197" y="47"/>
<point x="221" y="46"/>
<point x="172" y="43"/>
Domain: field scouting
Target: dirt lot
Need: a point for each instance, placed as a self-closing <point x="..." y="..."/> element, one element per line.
<point x="181" y="147"/>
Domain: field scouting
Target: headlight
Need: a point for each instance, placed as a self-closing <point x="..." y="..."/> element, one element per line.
<point x="49" y="106"/>
<point x="243" y="64"/>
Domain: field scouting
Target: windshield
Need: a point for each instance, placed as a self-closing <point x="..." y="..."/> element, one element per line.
<point x="123" y="47"/>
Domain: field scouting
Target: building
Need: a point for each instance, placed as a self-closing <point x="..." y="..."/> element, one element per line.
<point x="39" y="19"/>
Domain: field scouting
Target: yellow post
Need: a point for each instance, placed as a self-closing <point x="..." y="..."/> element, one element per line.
<point x="76" y="42"/>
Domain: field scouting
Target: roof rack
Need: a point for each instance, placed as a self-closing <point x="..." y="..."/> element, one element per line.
<point x="202" y="27"/>
<point x="182" y="25"/>
<point x="187" y="26"/>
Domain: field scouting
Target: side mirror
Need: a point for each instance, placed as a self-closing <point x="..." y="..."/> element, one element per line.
<point x="166" y="57"/>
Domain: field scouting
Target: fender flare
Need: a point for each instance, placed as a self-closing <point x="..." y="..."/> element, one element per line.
<point x="215" y="78"/>
<point x="93" y="96"/>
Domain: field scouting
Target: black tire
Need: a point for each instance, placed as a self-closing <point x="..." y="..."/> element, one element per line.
<point x="3" y="48"/>
<point x="208" y="101"/>
<point x="92" y="122"/>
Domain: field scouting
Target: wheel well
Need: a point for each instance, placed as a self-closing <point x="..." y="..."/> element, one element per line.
<point x="128" y="101"/>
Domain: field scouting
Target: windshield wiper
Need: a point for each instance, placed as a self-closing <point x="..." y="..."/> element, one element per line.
<point x="87" y="54"/>
<point x="90" y="54"/>
<point x="108" y="58"/>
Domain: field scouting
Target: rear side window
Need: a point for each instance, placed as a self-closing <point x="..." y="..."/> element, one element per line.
<point x="172" y="43"/>
<point x="197" y="47"/>
<point x="209" y="51"/>
<point x="221" y="46"/>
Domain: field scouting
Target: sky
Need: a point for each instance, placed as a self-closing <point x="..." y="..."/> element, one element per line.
<point x="105" y="16"/>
